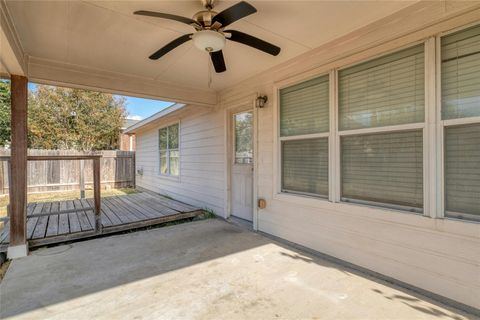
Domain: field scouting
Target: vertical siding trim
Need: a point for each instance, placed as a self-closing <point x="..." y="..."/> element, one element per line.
<point x="430" y="139"/>
<point x="255" y="162"/>
<point x="332" y="154"/>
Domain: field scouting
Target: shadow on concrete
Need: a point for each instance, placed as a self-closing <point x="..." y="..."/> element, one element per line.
<point x="58" y="274"/>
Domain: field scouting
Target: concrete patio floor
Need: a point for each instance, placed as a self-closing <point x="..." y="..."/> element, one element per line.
<point x="202" y="270"/>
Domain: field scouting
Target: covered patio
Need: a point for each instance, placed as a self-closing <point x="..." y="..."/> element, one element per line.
<point x="207" y="269"/>
<point x="362" y="143"/>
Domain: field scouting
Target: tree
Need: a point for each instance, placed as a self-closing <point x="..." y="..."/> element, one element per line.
<point x="64" y="118"/>
<point x="4" y="113"/>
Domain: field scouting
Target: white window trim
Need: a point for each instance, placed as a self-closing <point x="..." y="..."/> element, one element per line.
<point x="277" y="164"/>
<point x="334" y="135"/>
<point x="167" y="175"/>
<point x="441" y="125"/>
<point x="389" y="129"/>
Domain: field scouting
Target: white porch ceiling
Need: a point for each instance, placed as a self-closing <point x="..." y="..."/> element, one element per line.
<point x="106" y="37"/>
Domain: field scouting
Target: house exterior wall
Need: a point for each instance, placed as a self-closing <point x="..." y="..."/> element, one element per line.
<point x="435" y="254"/>
<point x="201" y="177"/>
<point x="127" y="142"/>
<point x="438" y="255"/>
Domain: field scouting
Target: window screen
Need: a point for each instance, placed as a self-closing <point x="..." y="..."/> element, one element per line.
<point x="168" y="150"/>
<point x="462" y="170"/>
<point x="304" y="108"/>
<point x="461" y="74"/>
<point x="305" y="166"/>
<point x="385" y="168"/>
<point x="382" y="92"/>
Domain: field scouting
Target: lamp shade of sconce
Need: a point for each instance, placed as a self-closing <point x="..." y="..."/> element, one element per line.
<point x="261" y="101"/>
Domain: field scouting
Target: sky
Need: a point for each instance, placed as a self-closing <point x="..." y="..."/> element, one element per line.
<point x="137" y="108"/>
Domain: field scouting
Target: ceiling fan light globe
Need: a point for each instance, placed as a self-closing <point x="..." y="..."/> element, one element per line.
<point x="208" y="40"/>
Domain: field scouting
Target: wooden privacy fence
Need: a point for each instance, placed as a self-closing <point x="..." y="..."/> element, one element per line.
<point x="117" y="171"/>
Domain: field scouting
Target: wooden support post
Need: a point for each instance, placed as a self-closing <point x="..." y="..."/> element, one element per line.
<point x="82" y="179"/>
<point x="96" y="195"/>
<point x="18" y="167"/>
<point x="134" y="169"/>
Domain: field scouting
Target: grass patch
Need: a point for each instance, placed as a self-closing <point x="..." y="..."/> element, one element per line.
<point x="209" y="213"/>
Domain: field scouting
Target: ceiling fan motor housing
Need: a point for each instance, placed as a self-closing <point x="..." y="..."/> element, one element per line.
<point x="204" y="18"/>
<point x="208" y="40"/>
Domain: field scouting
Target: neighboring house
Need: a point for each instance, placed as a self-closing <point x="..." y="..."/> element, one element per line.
<point x="126" y="142"/>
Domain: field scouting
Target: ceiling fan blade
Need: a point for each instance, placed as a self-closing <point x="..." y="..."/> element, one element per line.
<point x="234" y="13"/>
<point x="218" y="61"/>
<point x="167" y="16"/>
<point x="170" y="46"/>
<point x="253" y="42"/>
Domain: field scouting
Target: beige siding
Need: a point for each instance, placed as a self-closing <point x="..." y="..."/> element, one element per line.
<point x="201" y="181"/>
<point x="439" y="255"/>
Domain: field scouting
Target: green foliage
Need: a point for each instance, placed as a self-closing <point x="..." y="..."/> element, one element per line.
<point x="4" y="113"/>
<point x="64" y="118"/>
<point x="209" y="213"/>
<point x="74" y="119"/>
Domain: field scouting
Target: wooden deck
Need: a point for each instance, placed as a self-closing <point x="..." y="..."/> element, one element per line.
<point x="118" y="213"/>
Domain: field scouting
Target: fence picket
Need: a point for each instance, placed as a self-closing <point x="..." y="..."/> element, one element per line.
<point x="46" y="176"/>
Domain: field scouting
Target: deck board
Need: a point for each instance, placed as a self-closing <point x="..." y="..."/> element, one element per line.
<point x="82" y="217"/>
<point x="134" y="214"/>
<point x="123" y="214"/>
<point x="106" y="212"/>
<point x="155" y="204"/>
<point x="52" y="226"/>
<point x="32" y="221"/>
<point x="142" y="207"/>
<point x="63" y="226"/>
<point x="41" y="226"/>
<point x="107" y="206"/>
<point x="73" y="220"/>
<point x="118" y="213"/>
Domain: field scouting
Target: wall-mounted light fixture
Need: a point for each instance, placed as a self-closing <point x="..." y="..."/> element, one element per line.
<point x="261" y="101"/>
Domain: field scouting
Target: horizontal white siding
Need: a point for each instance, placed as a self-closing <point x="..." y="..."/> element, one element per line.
<point x="201" y="182"/>
<point x="438" y="255"/>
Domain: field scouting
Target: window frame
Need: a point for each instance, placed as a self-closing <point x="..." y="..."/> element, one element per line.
<point x="334" y="134"/>
<point x="424" y="126"/>
<point x="432" y="128"/>
<point x="279" y="139"/>
<point x="168" y="174"/>
<point x="442" y="125"/>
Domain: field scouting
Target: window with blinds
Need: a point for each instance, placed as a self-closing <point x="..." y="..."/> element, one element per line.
<point x="462" y="170"/>
<point x="304" y="130"/>
<point x="460" y="79"/>
<point x="305" y="166"/>
<point x="304" y="108"/>
<point x="461" y="74"/>
<point x="386" y="91"/>
<point x="385" y="167"/>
